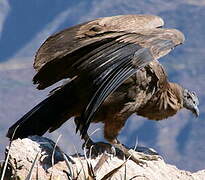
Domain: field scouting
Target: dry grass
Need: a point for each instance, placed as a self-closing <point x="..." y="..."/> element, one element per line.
<point x="89" y="171"/>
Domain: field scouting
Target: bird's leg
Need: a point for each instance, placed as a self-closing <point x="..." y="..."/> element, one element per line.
<point x="111" y="131"/>
<point x="127" y="152"/>
<point x="137" y="157"/>
<point x="111" y="137"/>
<point x="96" y="147"/>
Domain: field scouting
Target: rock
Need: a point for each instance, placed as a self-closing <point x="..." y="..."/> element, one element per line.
<point x="50" y="164"/>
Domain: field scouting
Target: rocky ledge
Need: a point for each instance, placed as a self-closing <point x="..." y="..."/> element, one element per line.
<point x="39" y="158"/>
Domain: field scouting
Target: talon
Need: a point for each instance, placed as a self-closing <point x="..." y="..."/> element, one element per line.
<point x="135" y="156"/>
<point x="137" y="161"/>
<point x="100" y="148"/>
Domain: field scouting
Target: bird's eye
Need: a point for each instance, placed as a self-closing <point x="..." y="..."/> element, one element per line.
<point x="193" y="93"/>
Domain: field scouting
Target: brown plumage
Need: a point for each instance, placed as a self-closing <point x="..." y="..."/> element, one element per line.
<point x="114" y="71"/>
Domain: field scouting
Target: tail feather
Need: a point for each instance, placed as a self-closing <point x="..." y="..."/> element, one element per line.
<point x="45" y="115"/>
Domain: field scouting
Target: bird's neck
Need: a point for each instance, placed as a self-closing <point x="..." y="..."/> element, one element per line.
<point x="170" y="97"/>
<point x="164" y="103"/>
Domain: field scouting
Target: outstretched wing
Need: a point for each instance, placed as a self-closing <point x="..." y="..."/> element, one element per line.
<point x="60" y="51"/>
<point x="108" y="50"/>
<point x="112" y="66"/>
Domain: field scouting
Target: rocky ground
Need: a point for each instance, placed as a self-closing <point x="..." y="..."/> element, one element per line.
<point x="40" y="158"/>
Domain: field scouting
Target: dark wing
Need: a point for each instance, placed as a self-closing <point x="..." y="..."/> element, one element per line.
<point x="60" y="51"/>
<point x="108" y="50"/>
<point x="112" y="67"/>
<point x="110" y="79"/>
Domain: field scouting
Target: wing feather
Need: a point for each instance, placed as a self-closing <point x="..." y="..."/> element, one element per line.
<point x="113" y="80"/>
<point x="108" y="50"/>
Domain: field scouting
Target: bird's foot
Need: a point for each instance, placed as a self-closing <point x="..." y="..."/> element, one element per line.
<point x="139" y="158"/>
<point x="95" y="149"/>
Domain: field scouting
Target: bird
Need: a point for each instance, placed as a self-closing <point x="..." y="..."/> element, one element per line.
<point x="112" y="70"/>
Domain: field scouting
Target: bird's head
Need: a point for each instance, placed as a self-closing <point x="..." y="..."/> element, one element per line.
<point x="191" y="101"/>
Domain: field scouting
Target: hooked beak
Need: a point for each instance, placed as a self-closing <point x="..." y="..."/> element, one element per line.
<point x="191" y="102"/>
<point x="195" y="111"/>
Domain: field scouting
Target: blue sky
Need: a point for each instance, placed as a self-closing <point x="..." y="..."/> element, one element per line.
<point x="24" y="25"/>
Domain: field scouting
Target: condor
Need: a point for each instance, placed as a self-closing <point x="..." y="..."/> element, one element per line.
<point x="113" y="67"/>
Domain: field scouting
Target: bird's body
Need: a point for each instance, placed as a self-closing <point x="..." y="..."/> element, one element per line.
<point x="140" y="94"/>
<point x="114" y="70"/>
